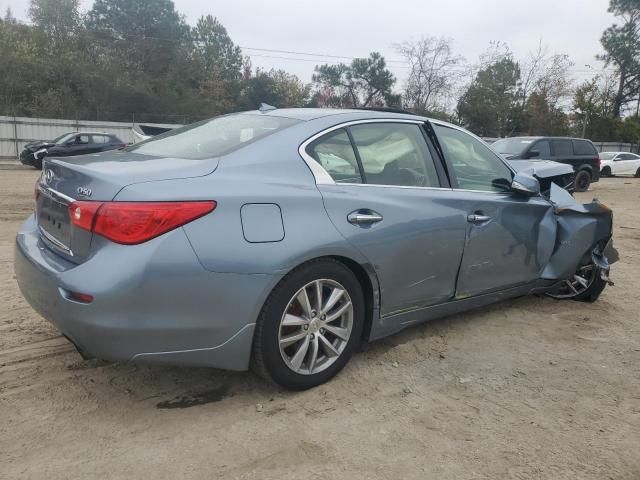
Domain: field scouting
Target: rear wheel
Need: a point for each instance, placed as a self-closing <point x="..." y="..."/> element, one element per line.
<point x="582" y="181"/>
<point x="638" y="173"/>
<point x="309" y="326"/>
<point x="586" y="285"/>
<point x="606" y="172"/>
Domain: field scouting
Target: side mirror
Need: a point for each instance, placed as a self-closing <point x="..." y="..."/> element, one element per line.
<point x="533" y="154"/>
<point x="525" y="184"/>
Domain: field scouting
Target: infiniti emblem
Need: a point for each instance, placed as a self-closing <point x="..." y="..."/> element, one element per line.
<point x="48" y="176"/>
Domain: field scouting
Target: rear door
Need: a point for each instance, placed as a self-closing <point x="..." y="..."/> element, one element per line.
<point x="387" y="197"/>
<point x="509" y="238"/>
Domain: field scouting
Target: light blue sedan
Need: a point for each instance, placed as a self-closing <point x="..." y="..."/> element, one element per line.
<point x="283" y="238"/>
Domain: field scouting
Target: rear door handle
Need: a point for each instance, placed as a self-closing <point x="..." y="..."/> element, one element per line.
<point x="364" y="217"/>
<point x="478" y="218"/>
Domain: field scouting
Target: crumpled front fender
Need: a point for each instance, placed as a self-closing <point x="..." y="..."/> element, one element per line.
<point x="583" y="233"/>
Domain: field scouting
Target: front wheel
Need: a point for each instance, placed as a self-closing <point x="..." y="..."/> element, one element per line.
<point x="309" y="326"/>
<point x="586" y="285"/>
<point x="582" y="181"/>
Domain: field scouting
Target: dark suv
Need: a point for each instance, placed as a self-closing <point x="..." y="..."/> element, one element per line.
<point x="74" y="143"/>
<point x="580" y="153"/>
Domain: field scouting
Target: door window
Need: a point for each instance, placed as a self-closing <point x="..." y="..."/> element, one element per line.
<point x="626" y="156"/>
<point x="474" y="165"/>
<point x="335" y="153"/>
<point x="82" y="139"/>
<point x="542" y="149"/>
<point x="394" y="154"/>
<point x="100" y="139"/>
<point x="562" y="148"/>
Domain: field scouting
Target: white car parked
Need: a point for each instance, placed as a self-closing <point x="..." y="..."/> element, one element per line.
<point x="619" y="163"/>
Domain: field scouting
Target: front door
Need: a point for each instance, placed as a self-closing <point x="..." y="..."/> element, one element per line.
<point x="509" y="238"/>
<point x="388" y="201"/>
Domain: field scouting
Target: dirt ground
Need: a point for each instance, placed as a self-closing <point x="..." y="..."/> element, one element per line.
<point x="527" y="389"/>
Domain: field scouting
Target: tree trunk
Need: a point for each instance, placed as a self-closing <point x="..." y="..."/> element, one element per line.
<point x="617" y="104"/>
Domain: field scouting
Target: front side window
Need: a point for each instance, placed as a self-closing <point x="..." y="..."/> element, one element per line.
<point x="394" y="154"/>
<point x="475" y="166"/>
<point x="82" y="139"/>
<point x="212" y="138"/>
<point x="542" y="149"/>
<point x="335" y="153"/>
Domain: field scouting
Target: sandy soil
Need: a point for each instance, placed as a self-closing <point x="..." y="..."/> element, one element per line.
<point x="528" y="389"/>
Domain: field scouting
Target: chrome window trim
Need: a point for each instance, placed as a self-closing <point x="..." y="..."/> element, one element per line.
<point x="321" y="176"/>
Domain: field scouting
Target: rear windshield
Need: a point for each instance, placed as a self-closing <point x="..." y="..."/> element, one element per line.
<point x="607" y="156"/>
<point x="213" y="137"/>
<point x="512" y="146"/>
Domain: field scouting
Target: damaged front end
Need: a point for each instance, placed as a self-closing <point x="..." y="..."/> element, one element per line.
<point x="583" y="240"/>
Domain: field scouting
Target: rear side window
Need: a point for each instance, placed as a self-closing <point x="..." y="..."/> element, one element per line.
<point x="583" y="147"/>
<point x="394" y="154"/>
<point x="213" y="137"/>
<point x="562" y="148"/>
<point x="335" y="153"/>
<point x="100" y="139"/>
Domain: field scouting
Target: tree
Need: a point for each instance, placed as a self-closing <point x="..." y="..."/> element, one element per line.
<point x="214" y="50"/>
<point x="593" y="105"/>
<point x="365" y="82"/>
<point x="275" y="87"/>
<point x="433" y="73"/>
<point x="489" y="107"/>
<point x="622" y="50"/>
<point x="59" y="19"/>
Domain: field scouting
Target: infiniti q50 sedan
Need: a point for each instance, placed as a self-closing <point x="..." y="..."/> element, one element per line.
<point x="283" y="238"/>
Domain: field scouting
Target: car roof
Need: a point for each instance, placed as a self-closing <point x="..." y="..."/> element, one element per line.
<point x="546" y="138"/>
<point x="91" y="133"/>
<point x="306" y="114"/>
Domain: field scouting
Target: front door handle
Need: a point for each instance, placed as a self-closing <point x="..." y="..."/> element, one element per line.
<point x="478" y="218"/>
<point x="364" y="217"/>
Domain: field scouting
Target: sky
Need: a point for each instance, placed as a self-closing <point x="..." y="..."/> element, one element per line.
<point x="354" y="28"/>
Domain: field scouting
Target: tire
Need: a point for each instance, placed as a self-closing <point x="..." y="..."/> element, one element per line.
<point x="606" y="172"/>
<point x="590" y="294"/>
<point x="582" y="181"/>
<point x="278" y="364"/>
<point x="37" y="164"/>
<point x="637" y="175"/>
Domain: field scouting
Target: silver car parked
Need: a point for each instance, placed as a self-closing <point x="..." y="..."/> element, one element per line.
<point x="283" y="238"/>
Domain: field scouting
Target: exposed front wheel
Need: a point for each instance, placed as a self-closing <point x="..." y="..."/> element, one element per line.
<point x="309" y="326"/>
<point x="586" y="285"/>
<point x="582" y="181"/>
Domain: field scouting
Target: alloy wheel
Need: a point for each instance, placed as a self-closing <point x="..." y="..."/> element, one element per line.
<point x="315" y="327"/>
<point x="574" y="286"/>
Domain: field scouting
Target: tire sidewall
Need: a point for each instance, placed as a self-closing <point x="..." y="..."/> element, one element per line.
<point x="582" y="174"/>
<point x="275" y="307"/>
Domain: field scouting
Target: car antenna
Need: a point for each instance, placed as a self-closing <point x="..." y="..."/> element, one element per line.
<point x="265" y="107"/>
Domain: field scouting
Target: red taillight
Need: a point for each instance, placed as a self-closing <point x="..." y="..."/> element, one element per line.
<point x="131" y="223"/>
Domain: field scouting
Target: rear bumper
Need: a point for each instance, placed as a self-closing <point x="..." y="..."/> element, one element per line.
<point x="153" y="304"/>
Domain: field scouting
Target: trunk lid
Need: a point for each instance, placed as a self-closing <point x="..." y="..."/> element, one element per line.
<point x="97" y="177"/>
